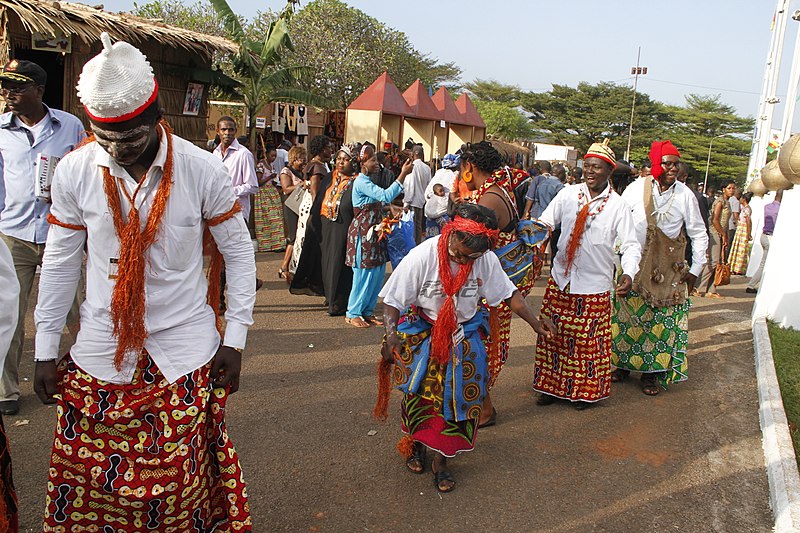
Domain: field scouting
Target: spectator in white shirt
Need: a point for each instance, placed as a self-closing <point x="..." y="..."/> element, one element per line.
<point x="649" y="337"/>
<point x="239" y="161"/>
<point x="736" y="208"/>
<point x="8" y="322"/>
<point x="281" y="158"/>
<point x="575" y="364"/>
<point x="30" y="133"/>
<point x="414" y="194"/>
<point x="149" y="360"/>
<point x="241" y="167"/>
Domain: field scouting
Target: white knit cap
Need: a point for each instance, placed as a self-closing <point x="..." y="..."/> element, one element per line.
<point x="117" y="84"/>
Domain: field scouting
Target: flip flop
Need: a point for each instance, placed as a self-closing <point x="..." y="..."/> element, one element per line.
<point x="372" y="319"/>
<point x="357" y="322"/>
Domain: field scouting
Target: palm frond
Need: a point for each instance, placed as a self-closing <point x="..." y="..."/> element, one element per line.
<point x="286" y="76"/>
<point x="229" y="19"/>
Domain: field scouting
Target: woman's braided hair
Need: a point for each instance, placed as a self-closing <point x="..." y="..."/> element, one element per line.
<point x="318" y="144"/>
<point x="483" y="155"/>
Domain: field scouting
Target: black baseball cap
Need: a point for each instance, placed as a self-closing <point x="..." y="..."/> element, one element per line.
<point x="21" y="71"/>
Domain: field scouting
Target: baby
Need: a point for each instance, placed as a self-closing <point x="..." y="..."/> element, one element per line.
<point x="436" y="205"/>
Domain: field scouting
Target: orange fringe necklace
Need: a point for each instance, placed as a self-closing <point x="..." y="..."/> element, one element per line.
<point x="128" y="296"/>
<point x="579" y="228"/>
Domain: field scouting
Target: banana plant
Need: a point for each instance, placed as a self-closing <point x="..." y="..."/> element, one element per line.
<point x="259" y="66"/>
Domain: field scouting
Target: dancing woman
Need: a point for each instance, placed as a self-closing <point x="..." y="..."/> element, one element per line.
<point x="438" y="346"/>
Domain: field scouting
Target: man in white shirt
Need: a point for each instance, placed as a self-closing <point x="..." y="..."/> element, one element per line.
<point x="736" y="208"/>
<point x="241" y="167"/>
<point x="575" y="364"/>
<point x="281" y="156"/>
<point x="414" y="194"/>
<point x="32" y="136"/>
<point x="142" y="391"/>
<point x="9" y="295"/>
<point x="239" y="161"/>
<point x="648" y="337"/>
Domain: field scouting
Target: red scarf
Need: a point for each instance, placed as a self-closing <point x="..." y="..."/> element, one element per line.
<point x="447" y="321"/>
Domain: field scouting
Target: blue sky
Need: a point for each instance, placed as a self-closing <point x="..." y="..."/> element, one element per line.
<point x="698" y="46"/>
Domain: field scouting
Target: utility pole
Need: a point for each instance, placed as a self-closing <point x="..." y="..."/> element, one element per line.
<point x="791" y="96"/>
<point x="768" y="98"/>
<point x="636" y="71"/>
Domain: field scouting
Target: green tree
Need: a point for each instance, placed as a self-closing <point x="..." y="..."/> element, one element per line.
<point x="504" y="121"/>
<point x="579" y="116"/>
<point x="260" y="67"/>
<point x="199" y="17"/>
<point x="347" y="50"/>
<point x="704" y="121"/>
<point x="494" y="91"/>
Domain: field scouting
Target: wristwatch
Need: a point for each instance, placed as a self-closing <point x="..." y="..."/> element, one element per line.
<point x="240" y="350"/>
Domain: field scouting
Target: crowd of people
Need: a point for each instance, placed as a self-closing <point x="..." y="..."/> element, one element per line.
<point x="136" y="212"/>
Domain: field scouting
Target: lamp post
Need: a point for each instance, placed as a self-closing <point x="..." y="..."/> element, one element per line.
<point x="708" y="161"/>
<point x="768" y="98"/>
<point x="636" y="71"/>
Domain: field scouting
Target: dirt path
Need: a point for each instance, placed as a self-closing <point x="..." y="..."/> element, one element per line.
<point x="687" y="460"/>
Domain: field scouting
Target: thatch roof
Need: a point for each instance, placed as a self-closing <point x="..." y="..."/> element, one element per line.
<point x="509" y="149"/>
<point x="50" y="17"/>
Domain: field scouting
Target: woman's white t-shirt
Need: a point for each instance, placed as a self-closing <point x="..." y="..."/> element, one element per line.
<point x="416" y="281"/>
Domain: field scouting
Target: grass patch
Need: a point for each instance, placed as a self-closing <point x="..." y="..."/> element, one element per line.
<point x="786" y="352"/>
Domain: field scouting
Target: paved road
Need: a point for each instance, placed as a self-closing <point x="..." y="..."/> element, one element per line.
<point x="687" y="460"/>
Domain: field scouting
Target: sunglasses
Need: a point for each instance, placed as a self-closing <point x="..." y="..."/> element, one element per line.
<point x="15" y="90"/>
<point x="670" y="164"/>
<point x="455" y="254"/>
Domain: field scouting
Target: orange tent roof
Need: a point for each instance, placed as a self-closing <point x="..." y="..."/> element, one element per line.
<point x="469" y="114"/>
<point x="416" y="96"/>
<point x="447" y="109"/>
<point x="382" y="95"/>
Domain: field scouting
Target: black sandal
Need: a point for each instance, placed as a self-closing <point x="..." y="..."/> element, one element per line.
<point x="545" y="399"/>
<point x="649" y="386"/>
<point x="440" y="477"/>
<point x="492" y="420"/>
<point x="619" y="375"/>
<point x="417" y="459"/>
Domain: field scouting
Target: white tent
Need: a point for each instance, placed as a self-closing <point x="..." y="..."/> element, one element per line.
<point x="779" y="296"/>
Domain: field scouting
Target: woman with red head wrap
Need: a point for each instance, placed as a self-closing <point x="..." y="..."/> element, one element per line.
<point x="438" y="346"/>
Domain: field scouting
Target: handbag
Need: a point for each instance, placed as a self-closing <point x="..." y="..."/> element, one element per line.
<point x="525" y="255"/>
<point x="294" y="200"/>
<point x="722" y="272"/>
<point x="518" y="258"/>
<point x="663" y="264"/>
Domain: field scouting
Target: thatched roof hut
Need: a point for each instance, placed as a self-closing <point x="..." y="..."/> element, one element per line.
<point x="62" y="36"/>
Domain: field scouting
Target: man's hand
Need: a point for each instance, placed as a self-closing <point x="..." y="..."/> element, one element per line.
<point x="624" y="285"/>
<point x="44" y="381"/>
<point x="390" y="347"/>
<point x="226" y="367"/>
<point x="407" y="167"/>
<point x="545" y="327"/>
<point x="689" y="279"/>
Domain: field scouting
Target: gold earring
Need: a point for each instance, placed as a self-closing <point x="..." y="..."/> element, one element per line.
<point x="467" y="177"/>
